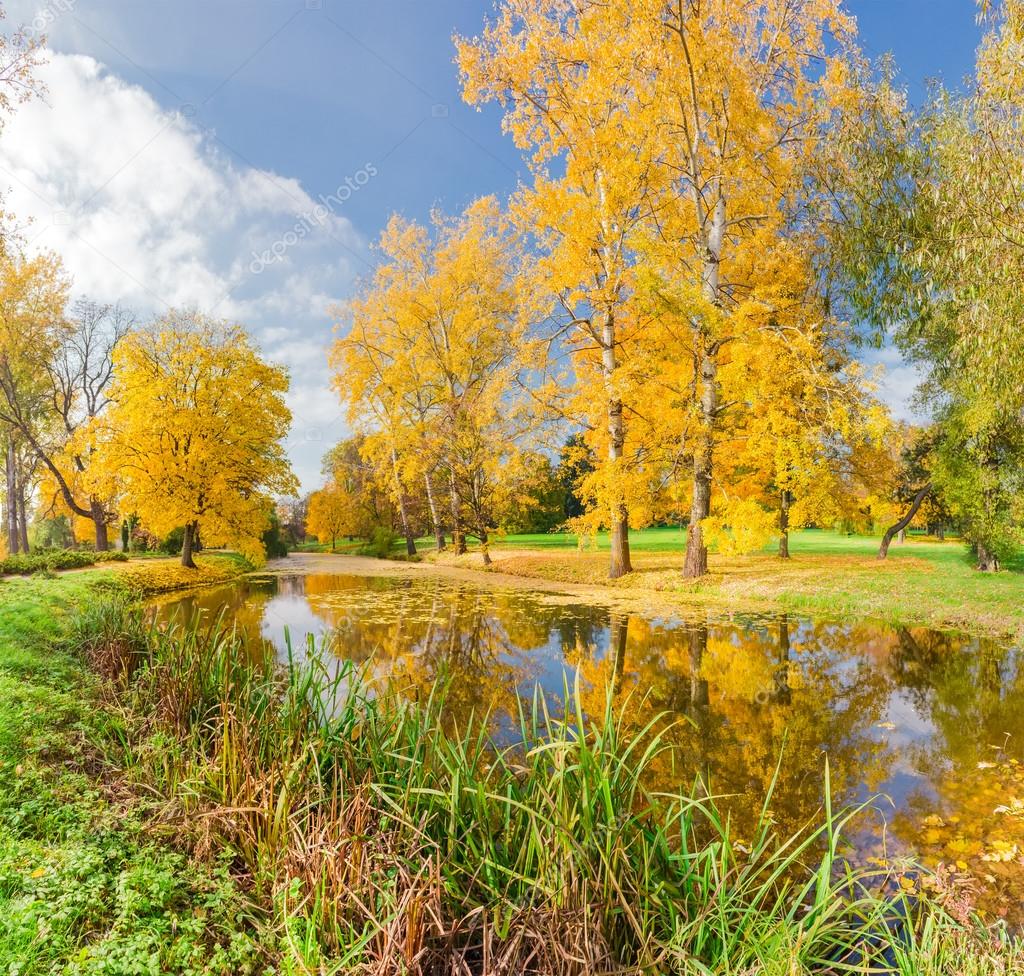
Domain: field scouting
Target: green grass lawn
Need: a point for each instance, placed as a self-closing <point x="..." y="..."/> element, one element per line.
<point x="85" y="886"/>
<point x="810" y="542"/>
<point x="673" y="539"/>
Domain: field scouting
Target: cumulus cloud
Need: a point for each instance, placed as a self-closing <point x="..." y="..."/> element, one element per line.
<point x="898" y="383"/>
<point x="147" y="209"/>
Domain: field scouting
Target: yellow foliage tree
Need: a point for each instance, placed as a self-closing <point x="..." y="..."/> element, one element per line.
<point x="194" y="434"/>
<point x="332" y="512"/>
<point x="560" y="71"/>
<point x="429" y="362"/>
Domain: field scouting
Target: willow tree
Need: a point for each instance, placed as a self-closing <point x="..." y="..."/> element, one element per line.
<point x="194" y="434"/>
<point x="928" y="236"/>
<point x="567" y="76"/>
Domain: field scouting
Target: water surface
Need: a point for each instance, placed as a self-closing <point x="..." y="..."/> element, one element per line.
<point x="928" y="725"/>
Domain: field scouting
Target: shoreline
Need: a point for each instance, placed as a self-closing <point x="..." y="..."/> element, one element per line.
<point x="520" y="569"/>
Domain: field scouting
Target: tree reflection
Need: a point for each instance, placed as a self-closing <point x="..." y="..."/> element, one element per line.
<point x="742" y="697"/>
<point x="906" y="710"/>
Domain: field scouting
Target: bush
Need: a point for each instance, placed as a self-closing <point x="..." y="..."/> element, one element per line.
<point x="383" y="541"/>
<point x="742" y="528"/>
<point x="22" y="564"/>
<point x="110" y="556"/>
<point x="274" y="544"/>
<point x="174" y="541"/>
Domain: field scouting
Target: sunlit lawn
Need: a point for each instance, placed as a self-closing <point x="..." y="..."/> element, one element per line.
<point x="807" y="542"/>
<point x="924" y="581"/>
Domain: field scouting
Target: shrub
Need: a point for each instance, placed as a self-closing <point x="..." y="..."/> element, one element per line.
<point x="22" y="564"/>
<point x="742" y="528"/>
<point x="273" y="542"/>
<point x="111" y="556"/>
<point x="173" y="543"/>
<point x="383" y="541"/>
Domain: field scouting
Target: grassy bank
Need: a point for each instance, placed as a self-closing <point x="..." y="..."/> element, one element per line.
<point x="923" y="582"/>
<point x="85" y="886"/>
<point x="167" y="806"/>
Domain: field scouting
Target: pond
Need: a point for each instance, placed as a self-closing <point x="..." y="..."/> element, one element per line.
<point x="929" y="726"/>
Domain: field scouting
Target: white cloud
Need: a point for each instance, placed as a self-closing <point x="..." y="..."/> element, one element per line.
<point x="898" y="384"/>
<point x="146" y="209"/>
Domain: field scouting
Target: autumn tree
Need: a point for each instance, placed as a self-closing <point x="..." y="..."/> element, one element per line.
<point x="21" y="469"/>
<point x="569" y="81"/>
<point x="194" y="433"/>
<point x="669" y="144"/>
<point x="430" y="361"/>
<point x="741" y="95"/>
<point x="55" y="371"/>
<point x="77" y="378"/>
<point x="370" y="491"/>
<point x="332" y="512"/>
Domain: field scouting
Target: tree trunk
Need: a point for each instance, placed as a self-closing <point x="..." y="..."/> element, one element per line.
<point x="894" y="530"/>
<point x="99" y="518"/>
<point x="901" y="537"/>
<point x="784" y="525"/>
<point x="434" y="517"/>
<point x="186" y="547"/>
<point x="410" y="545"/>
<point x="699" y="690"/>
<point x="620" y="558"/>
<point x="696" y="563"/>
<point x="988" y="562"/>
<point x="484" y="547"/>
<point x="458" y="536"/>
<point x="940" y="533"/>
<point x="619" y="563"/>
<point x="782" y="691"/>
<point x="12" y="500"/>
<point x="22" y="516"/>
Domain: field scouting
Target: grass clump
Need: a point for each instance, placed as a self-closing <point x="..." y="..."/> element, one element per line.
<point x="380" y="839"/>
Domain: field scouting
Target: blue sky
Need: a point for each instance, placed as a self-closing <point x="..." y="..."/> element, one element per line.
<point x="180" y="158"/>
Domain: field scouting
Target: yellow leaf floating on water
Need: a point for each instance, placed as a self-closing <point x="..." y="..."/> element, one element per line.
<point x="886" y="725"/>
<point x="1000" y="850"/>
<point x="934" y="821"/>
<point x="964" y="847"/>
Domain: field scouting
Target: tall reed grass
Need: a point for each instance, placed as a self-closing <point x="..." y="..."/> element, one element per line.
<point x="382" y="841"/>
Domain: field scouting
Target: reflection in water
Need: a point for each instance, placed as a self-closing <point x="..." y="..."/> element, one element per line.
<point x="908" y="713"/>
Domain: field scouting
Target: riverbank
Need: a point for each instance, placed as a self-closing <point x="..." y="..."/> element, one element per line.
<point x="167" y="808"/>
<point x="922" y="584"/>
<point x="88" y="882"/>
